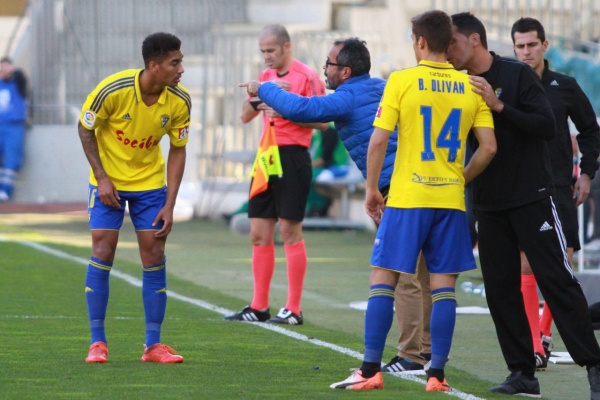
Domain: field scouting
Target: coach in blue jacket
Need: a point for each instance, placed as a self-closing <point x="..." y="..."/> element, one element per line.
<point x="352" y="107"/>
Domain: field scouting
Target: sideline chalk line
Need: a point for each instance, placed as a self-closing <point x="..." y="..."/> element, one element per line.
<point x="223" y="311"/>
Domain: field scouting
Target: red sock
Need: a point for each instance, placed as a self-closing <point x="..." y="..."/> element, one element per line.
<point x="297" y="261"/>
<point x="546" y="321"/>
<point x="532" y="309"/>
<point x="263" y="265"/>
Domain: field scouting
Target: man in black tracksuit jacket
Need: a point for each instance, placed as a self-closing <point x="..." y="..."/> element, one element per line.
<point x="514" y="209"/>
<point x="567" y="100"/>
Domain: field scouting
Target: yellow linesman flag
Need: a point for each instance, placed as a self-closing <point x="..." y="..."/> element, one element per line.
<point x="267" y="162"/>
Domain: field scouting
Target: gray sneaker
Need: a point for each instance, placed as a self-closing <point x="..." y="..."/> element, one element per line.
<point x="518" y="384"/>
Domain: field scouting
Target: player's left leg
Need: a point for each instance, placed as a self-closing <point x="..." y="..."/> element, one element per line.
<point x="290" y="193"/>
<point x="402" y="231"/>
<point x="143" y="208"/>
<point x="104" y="222"/>
<point x="443" y="320"/>
<point x="378" y="321"/>
<point x="447" y="255"/>
<point x="297" y="263"/>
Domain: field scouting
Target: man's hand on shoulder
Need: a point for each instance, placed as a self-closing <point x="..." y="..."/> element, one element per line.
<point x="483" y="88"/>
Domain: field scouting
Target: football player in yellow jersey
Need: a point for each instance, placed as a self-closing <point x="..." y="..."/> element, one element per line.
<point x="121" y="125"/>
<point x="434" y="107"/>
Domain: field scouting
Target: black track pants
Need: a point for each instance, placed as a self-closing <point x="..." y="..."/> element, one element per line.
<point x="535" y="229"/>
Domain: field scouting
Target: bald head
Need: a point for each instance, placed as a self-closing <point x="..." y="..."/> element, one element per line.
<point x="281" y="34"/>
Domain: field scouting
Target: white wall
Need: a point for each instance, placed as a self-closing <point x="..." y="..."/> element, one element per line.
<point x="313" y="13"/>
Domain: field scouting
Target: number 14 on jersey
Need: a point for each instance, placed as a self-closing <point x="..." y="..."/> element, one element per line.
<point x="447" y="138"/>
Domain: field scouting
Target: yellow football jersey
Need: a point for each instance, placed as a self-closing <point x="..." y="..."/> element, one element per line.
<point x="129" y="132"/>
<point x="434" y="108"/>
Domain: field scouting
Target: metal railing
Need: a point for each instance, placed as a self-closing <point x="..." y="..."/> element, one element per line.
<point x="76" y="44"/>
<point x="575" y="23"/>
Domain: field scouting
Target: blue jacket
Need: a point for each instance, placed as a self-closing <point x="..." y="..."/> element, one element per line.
<point x="352" y="107"/>
<point x="13" y="105"/>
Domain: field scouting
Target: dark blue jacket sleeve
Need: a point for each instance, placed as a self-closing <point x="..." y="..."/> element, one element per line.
<point x="336" y="106"/>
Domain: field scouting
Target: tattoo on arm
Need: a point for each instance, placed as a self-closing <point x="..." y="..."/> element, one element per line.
<point x="90" y="148"/>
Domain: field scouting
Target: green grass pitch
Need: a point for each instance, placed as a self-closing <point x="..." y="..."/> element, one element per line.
<point x="44" y="331"/>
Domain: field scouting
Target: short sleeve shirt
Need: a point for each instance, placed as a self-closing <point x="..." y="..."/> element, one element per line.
<point x="434" y="108"/>
<point x="129" y="132"/>
<point x="305" y="82"/>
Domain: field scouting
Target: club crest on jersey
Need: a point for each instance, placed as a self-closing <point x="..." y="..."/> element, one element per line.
<point x="163" y="120"/>
<point x="88" y="118"/>
<point x="498" y="92"/>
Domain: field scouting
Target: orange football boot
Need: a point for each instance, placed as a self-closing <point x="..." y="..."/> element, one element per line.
<point x="98" y="353"/>
<point x="161" y="353"/>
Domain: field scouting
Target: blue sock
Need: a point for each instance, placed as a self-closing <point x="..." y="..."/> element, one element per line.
<point x="154" y="294"/>
<point x="378" y="321"/>
<point x="96" y="293"/>
<point x="443" y="319"/>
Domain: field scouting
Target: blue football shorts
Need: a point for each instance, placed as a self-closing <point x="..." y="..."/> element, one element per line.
<point x="442" y="234"/>
<point x="143" y="208"/>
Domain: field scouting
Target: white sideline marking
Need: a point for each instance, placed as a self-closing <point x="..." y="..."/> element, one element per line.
<point x="223" y="311"/>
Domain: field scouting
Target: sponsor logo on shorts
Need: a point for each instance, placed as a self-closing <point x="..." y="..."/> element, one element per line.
<point x="545" y="227"/>
<point x="184" y="132"/>
<point x="89" y="117"/>
<point x="376" y="242"/>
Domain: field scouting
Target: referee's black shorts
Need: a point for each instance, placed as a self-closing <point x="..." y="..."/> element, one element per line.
<point x="286" y="196"/>
<point x="567" y="213"/>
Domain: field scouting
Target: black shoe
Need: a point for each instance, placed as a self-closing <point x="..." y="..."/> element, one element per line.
<point x="426" y="356"/>
<point x="249" y="315"/>
<point x="541" y="362"/>
<point x="594" y="379"/>
<point x="519" y="384"/>
<point x="400" y="364"/>
<point x="285" y="316"/>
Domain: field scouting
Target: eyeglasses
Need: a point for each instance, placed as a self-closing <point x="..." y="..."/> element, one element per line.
<point x="328" y="63"/>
